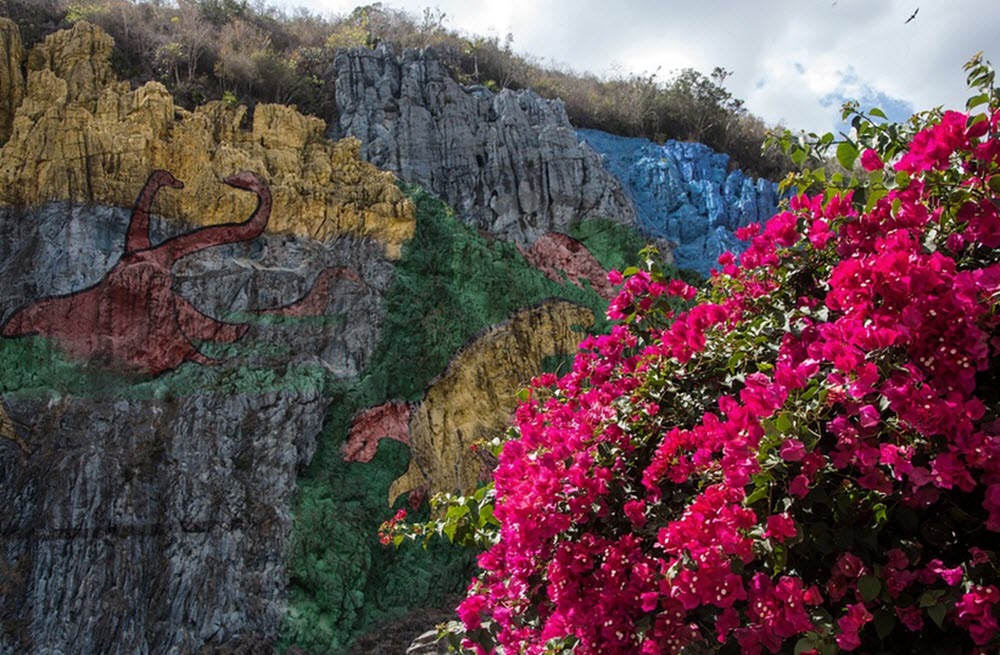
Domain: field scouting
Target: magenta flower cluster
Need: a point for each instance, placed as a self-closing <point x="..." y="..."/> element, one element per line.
<point x="807" y="457"/>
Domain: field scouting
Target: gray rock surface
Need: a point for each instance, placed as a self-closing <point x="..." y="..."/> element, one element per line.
<point x="144" y="515"/>
<point x="61" y="248"/>
<point x="166" y="535"/>
<point x="509" y="163"/>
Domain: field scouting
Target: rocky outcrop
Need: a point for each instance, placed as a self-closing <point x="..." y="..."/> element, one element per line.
<point x="11" y="78"/>
<point x="79" y="135"/>
<point x="509" y="163"/>
<point x="476" y="396"/>
<point x="147" y="467"/>
<point x="61" y="249"/>
<point x="150" y="525"/>
<point x="558" y="255"/>
<point x="686" y="193"/>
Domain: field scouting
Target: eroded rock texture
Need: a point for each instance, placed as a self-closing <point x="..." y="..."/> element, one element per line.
<point x="686" y="193"/>
<point x="475" y="397"/>
<point x="149" y="526"/>
<point x="146" y="503"/>
<point x="561" y="257"/>
<point x="11" y="78"/>
<point x="509" y="163"/>
<point x="80" y="135"/>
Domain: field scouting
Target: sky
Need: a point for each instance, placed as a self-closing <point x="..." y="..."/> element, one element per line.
<point x="793" y="62"/>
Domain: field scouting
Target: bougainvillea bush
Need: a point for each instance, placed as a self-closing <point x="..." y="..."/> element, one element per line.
<point x="806" y="460"/>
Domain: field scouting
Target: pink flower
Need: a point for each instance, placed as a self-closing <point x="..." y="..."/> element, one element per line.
<point x="911" y="617"/>
<point x="871" y="161"/>
<point x="850" y="566"/>
<point x="780" y="527"/>
<point x="851" y="624"/>
<point x="793" y="450"/>
<point x="635" y="510"/>
<point x="799" y="486"/>
<point x="470" y="611"/>
<point x="868" y="416"/>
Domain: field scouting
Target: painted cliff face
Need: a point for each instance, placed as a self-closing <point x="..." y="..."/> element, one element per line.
<point x="133" y="317"/>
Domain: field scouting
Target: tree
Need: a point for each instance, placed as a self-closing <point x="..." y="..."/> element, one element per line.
<point x="187" y="40"/>
<point x="239" y="44"/>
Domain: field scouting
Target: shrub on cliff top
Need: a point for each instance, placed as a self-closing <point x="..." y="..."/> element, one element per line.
<point x="807" y="460"/>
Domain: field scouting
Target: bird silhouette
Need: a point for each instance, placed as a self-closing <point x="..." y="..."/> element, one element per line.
<point x="912" y="16"/>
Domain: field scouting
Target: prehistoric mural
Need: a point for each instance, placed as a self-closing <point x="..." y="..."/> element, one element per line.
<point x="133" y="316"/>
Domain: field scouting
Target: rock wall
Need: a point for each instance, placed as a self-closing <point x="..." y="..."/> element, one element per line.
<point x="81" y="136"/>
<point x="11" y="78"/>
<point x="451" y="289"/>
<point x="476" y="396"/>
<point x="149" y="525"/>
<point x="560" y="257"/>
<point x="166" y="362"/>
<point x="686" y="193"/>
<point x="509" y="163"/>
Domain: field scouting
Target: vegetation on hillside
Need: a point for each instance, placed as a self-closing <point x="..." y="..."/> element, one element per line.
<point x="805" y="461"/>
<point x="449" y="286"/>
<point x="244" y="50"/>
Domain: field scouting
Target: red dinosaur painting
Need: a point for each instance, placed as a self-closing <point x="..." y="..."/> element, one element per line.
<point x="132" y="317"/>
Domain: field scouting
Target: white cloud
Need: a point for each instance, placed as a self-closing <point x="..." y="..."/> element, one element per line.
<point x="843" y="47"/>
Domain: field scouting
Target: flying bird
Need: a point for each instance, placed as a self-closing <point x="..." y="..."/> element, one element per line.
<point x="912" y="16"/>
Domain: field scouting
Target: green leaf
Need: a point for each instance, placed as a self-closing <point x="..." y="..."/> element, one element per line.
<point x="847" y="154"/>
<point x="522" y="395"/>
<point x="884" y="623"/>
<point x="762" y="484"/>
<point x="972" y="120"/>
<point x="975" y="101"/>
<point x="937" y="613"/>
<point x="875" y="111"/>
<point x="994" y="184"/>
<point x="874" y="197"/>
<point x="783" y="422"/>
<point x="930" y="598"/>
<point x="486" y="516"/>
<point x="804" y="645"/>
<point x="869" y="586"/>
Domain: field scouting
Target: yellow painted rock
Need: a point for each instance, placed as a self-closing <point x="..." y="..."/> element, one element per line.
<point x="11" y="79"/>
<point x="81" y="135"/>
<point x="475" y="397"/>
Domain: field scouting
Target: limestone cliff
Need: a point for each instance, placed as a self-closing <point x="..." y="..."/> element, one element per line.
<point x="476" y="396"/>
<point x="149" y="525"/>
<point x="509" y="163"/>
<point x="79" y="135"/>
<point x="11" y="78"/>
<point x="162" y="382"/>
<point x="686" y="193"/>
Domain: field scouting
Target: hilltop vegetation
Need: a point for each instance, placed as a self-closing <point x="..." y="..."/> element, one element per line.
<point x="245" y="51"/>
